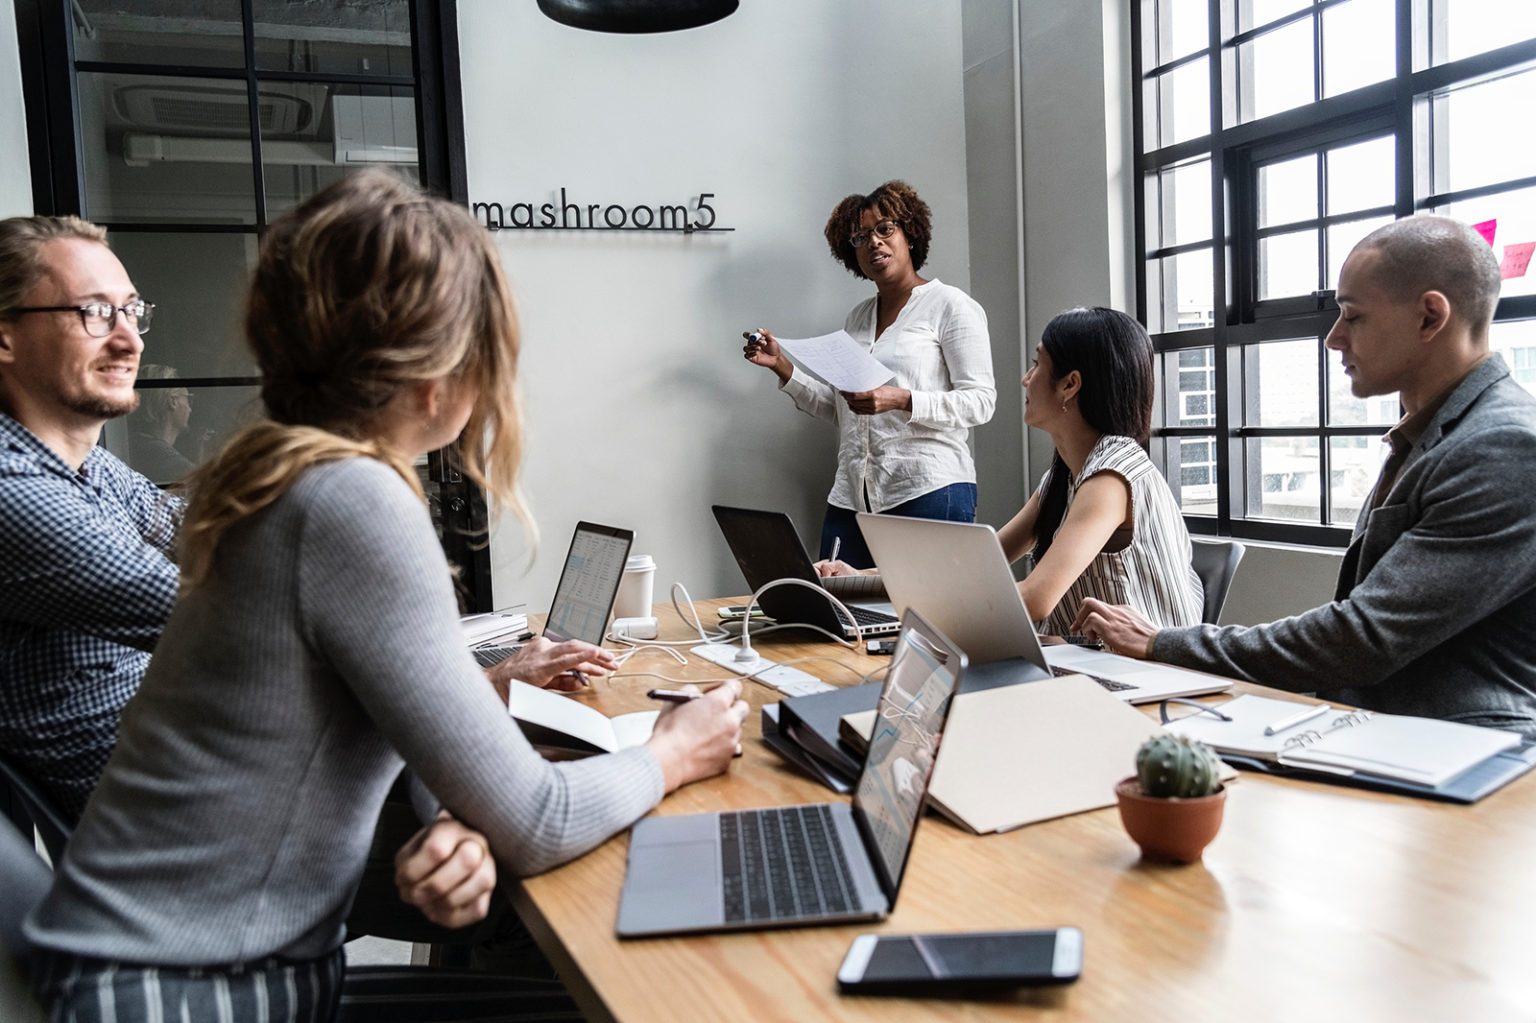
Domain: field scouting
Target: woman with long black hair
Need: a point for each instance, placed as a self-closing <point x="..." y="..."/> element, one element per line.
<point x="1103" y="522"/>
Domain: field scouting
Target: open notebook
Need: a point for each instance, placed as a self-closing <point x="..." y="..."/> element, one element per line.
<point x="553" y="721"/>
<point x="1422" y="751"/>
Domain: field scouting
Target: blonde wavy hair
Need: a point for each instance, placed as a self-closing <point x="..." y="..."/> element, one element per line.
<point x="363" y="290"/>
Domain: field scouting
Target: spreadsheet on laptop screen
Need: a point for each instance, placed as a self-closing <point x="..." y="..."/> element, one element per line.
<point x="585" y="594"/>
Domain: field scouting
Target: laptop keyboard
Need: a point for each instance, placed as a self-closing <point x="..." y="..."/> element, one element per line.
<point x="490" y="656"/>
<point x="865" y="616"/>
<point x="1107" y="683"/>
<point x="783" y="862"/>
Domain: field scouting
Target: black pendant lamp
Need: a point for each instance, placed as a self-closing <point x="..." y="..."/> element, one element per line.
<point x="637" y="15"/>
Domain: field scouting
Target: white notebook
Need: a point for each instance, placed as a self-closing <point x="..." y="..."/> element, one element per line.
<point x="1423" y="750"/>
<point x="554" y="721"/>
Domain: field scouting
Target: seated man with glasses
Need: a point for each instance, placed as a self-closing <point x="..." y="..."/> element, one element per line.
<point x="87" y="578"/>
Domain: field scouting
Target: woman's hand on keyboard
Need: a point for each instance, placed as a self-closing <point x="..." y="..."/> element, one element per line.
<point x="697" y="739"/>
<point x="550" y="665"/>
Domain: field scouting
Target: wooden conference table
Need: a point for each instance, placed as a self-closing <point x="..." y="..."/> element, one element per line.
<point x="1316" y="902"/>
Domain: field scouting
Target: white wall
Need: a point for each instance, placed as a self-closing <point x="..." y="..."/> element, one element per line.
<point x="15" y="171"/>
<point x="992" y="187"/>
<point x="640" y="409"/>
<point x="1069" y="183"/>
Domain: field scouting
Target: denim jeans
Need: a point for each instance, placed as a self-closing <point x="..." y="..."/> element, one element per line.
<point x="954" y="503"/>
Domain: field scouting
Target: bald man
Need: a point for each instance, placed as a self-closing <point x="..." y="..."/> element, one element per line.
<point x="1435" y="610"/>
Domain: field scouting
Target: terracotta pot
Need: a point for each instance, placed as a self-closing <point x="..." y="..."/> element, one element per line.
<point x="1170" y="828"/>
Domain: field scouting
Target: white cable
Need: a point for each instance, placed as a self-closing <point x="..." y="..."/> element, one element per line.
<point x="746" y="653"/>
<point x="669" y="678"/>
<point x="635" y="646"/>
<point x="697" y="623"/>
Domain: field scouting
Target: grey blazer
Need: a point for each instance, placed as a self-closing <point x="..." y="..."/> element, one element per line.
<point x="1435" y="611"/>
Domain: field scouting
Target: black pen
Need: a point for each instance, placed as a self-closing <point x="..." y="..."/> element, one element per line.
<point x="672" y="696"/>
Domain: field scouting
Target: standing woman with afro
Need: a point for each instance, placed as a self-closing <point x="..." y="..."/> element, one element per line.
<point x="902" y="447"/>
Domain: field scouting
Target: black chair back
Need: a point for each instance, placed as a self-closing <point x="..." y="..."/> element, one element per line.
<point x="52" y="824"/>
<point x="1215" y="562"/>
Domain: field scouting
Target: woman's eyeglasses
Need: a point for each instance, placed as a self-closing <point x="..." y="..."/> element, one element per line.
<point x="882" y="230"/>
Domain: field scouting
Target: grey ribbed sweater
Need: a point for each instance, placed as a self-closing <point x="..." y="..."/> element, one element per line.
<point x="236" y="813"/>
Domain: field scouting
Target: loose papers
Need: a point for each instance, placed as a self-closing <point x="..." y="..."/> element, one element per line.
<point x="840" y="361"/>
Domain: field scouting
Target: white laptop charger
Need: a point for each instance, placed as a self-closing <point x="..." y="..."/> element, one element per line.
<point x="634" y="628"/>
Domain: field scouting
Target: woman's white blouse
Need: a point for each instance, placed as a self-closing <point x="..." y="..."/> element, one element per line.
<point x="939" y="349"/>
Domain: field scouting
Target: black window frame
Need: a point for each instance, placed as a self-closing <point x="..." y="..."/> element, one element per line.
<point x="1397" y="105"/>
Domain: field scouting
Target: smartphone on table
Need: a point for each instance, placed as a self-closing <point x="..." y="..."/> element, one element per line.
<point x="738" y="611"/>
<point x="935" y="964"/>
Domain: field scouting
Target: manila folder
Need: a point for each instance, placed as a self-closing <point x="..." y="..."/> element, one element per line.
<point x="1033" y="751"/>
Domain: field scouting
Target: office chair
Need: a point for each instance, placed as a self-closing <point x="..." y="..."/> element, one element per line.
<point x="1215" y="562"/>
<point x="370" y="994"/>
<point x="52" y="824"/>
<point x="24" y="878"/>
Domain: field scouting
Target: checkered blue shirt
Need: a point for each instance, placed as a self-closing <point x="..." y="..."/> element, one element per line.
<point x="86" y="584"/>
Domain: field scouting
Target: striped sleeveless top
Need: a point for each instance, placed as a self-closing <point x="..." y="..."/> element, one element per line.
<point x="1152" y="573"/>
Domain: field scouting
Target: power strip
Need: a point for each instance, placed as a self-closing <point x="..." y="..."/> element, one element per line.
<point x="786" y="679"/>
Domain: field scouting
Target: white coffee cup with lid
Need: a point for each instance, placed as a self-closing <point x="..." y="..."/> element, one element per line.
<point x="635" y="586"/>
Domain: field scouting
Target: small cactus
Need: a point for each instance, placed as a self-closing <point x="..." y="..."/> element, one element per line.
<point x="1177" y="766"/>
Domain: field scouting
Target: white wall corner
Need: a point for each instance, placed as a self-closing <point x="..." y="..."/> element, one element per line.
<point x="15" y="171"/>
<point x="1119" y="156"/>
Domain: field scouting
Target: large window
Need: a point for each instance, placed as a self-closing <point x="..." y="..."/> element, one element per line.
<point x="1272" y="135"/>
<point x="184" y="128"/>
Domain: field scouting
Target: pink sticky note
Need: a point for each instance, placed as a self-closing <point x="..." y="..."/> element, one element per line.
<point x="1516" y="258"/>
<point x="1486" y="229"/>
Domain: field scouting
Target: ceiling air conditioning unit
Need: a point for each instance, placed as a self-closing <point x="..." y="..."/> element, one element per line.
<point x="365" y="130"/>
<point x="210" y="110"/>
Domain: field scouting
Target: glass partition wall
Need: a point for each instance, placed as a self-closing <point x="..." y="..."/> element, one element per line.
<point x="184" y="127"/>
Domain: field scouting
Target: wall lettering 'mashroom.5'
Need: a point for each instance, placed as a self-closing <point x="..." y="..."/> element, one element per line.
<point x="696" y="215"/>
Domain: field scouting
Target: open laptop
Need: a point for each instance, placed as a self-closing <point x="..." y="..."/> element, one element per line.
<point x="589" y="582"/>
<point x="955" y="574"/>
<point x="819" y="863"/>
<point x="767" y="547"/>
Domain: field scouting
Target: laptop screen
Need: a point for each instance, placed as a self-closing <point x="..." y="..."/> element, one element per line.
<point x="925" y="669"/>
<point x="590" y="580"/>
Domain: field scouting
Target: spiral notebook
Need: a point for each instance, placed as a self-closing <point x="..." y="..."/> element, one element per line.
<point x="1420" y="751"/>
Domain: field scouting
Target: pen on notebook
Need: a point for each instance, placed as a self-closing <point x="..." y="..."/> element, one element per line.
<point x="1299" y="718"/>
<point x="672" y="696"/>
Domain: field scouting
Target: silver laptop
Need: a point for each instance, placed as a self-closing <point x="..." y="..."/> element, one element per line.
<point x="589" y="582"/>
<point x="955" y="574"/>
<point x="797" y="865"/>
